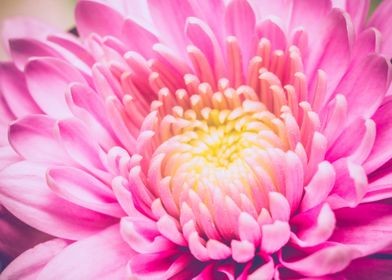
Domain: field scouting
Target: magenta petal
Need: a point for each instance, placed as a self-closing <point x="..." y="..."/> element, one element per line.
<point x="366" y="227"/>
<point x="30" y="264"/>
<point x="101" y="256"/>
<point x="48" y="80"/>
<point x="25" y="194"/>
<point x="368" y="268"/>
<point x="97" y="17"/>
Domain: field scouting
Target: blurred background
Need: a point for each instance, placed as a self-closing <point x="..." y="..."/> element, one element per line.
<point x="55" y="12"/>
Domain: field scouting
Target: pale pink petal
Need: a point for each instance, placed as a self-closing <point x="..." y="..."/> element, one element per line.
<point x="101" y="256"/>
<point x="48" y="80"/>
<point x="30" y="264"/>
<point x="25" y="194"/>
<point x="327" y="260"/>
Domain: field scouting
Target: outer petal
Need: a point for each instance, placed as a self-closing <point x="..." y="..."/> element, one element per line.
<point x="101" y="256"/>
<point x="25" y="194"/>
<point x="366" y="227"/>
<point x="48" y="80"/>
<point x="381" y="19"/>
<point x="99" y="18"/>
<point x="364" y="96"/>
<point x="13" y="86"/>
<point x="28" y="265"/>
<point x="368" y="268"/>
<point x="380" y="153"/>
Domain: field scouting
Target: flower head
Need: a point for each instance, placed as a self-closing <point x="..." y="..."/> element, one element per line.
<point x="201" y="139"/>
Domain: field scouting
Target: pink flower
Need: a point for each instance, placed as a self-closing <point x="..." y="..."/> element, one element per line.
<point x="189" y="139"/>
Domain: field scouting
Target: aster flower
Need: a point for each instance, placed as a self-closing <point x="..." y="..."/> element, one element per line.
<point x="201" y="140"/>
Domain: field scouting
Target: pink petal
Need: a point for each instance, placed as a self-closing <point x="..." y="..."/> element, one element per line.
<point x="364" y="131"/>
<point x="22" y="27"/>
<point x="164" y="265"/>
<point x="333" y="60"/>
<point x="81" y="147"/>
<point x="102" y="256"/>
<point x="144" y="43"/>
<point x="30" y="264"/>
<point x="142" y="236"/>
<point x="84" y="190"/>
<point x="15" y="92"/>
<point x="279" y="206"/>
<point x="97" y="17"/>
<point x="350" y="186"/>
<point x="274" y="236"/>
<point x="327" y="260"/>
<point x="380" y="154"/>
<point x="241" y="22"/>
<point x="368" y="268"/>
<point x="24" y="49"/>
<point x="242" y="251"/>
<point x="313" y="227"/>
<point x="34" y="138"/>
<point x="364" y="96"/>
<point x="13" y="239"/>
<point x="48" y="80"/>
<point x="319" y="187"/>
<point x="382" y="21"/>
<point x="273" y="32"/>
<point x="366" y="227"/>
<point x="25" y="194"/>
<point x="8" y="156"/>
<point x="89" y="107"/>
<point x="170" y="17"/>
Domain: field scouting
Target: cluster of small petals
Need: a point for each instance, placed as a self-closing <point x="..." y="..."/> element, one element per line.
<point x="190" y="139"/>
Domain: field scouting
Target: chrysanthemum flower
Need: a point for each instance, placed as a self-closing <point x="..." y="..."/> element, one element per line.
<point x="189" y="139"/>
